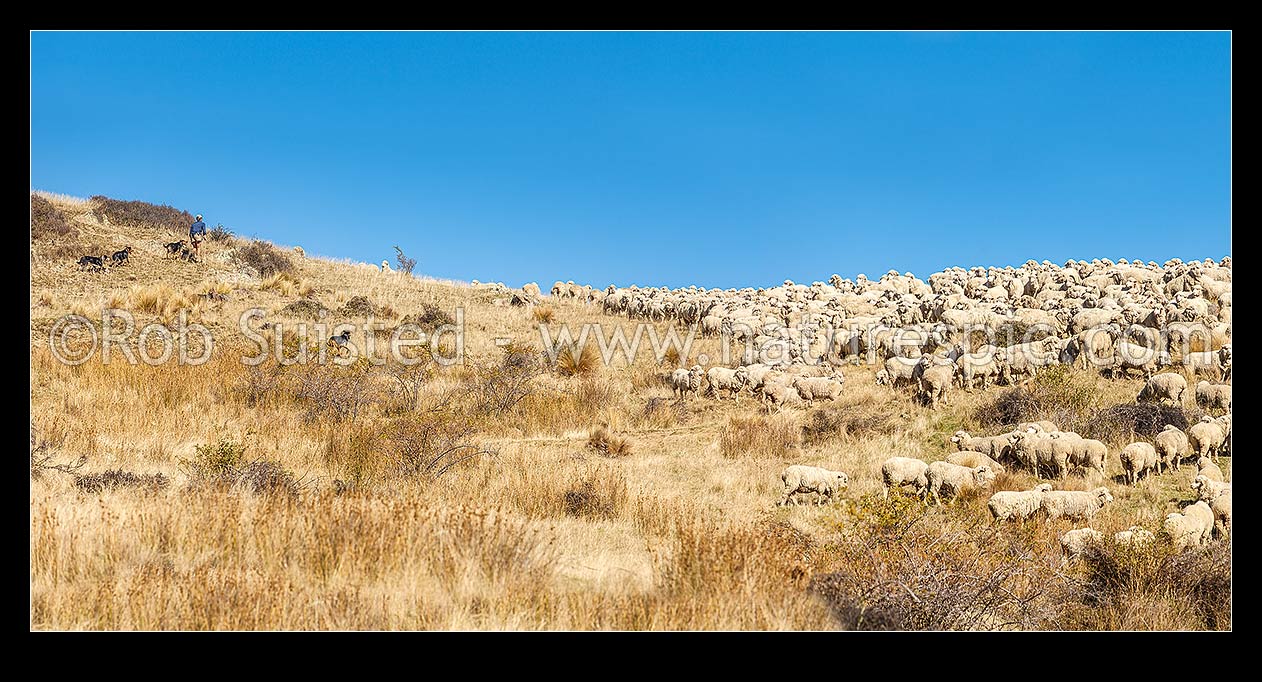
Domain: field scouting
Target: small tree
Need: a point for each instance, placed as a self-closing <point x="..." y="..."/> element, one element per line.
<point x="405" y="264"/>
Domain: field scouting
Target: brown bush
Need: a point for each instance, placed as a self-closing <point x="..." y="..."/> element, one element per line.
<point x="829" y="424"/>
<point x="607" y="444"/>
<point x="572" y="362"/>
<point x="429" y="318"/>
<point x="47" y="222"/>
<point x="1057" y="394"/>
<point x="141" y="213"/>
<point x="264" y="258"/>
<point x="359" y="306"/>
<point x="763" y="437"/>
<point x="222" y="465"/>
<point x="543" y="314"/>
<point x="1123" y="423"/>
<point x="306" y="309"/>
<point x="117" y="478"/>
<point x="601" y="494"/>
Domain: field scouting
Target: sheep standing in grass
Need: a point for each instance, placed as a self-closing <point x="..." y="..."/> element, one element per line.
<point x="1207" y="489"/>
<point x="1138" y="459"/>
<point x="802" y="479"/>
<point x="974" y="459"/>
<point x="817" y="388"/>
<point x="1206" y="437"/>
<point x="1206" y="467"/>
<point x="1084" y="453"/>
<point x="1221" y="506"/>
<point x="1162" y="387"/>
<point x="777" y="393"/>
<point x="935" y="382"/>
<point x="1211" y="397"/>
<point x="724" y="379"/>
<point x="953" y="479"/>
<point x="1016" y="505"/>
<point x="1074" y="542"/>
<point x="1038" y="427"/>
<point x="1193" y="528"/>
<point x="900" y="471"/>
<point x="1135" y="536"/>
<point x="1037" y="451"/>
<point x="1171" y="445"/>
<point x="685" y="381"/>
<point x="1075" y="505"/>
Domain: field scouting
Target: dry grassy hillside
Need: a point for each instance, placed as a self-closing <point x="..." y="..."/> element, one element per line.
<point x="507" y="492"/>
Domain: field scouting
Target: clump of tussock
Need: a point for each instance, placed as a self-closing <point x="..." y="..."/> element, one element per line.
<point x="601" y="494"/>
<point x="759" y="437"/>
<point x="222" y="465"/>
<point x="572" y="362"/>
<point x="121" y="212"/>
<point x="47" y="222"/>
<point x="543" y="314"/>
<point x="662" y="413"/>
<point x="305" y="309"/>
<point x="286" y="285"/>
<point x="359" y="306"/>
<point x="1126" y="422"/>
<point x="1056" y="394"/>
<point x="429" y="317"/>
<point x="263" y="258"/>
<point x="118" y="478"/>
<point x="825" y="425"/>
<point x="605" y="443"/>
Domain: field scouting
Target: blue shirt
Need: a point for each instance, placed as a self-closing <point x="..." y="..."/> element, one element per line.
<point x="197" y="228"/>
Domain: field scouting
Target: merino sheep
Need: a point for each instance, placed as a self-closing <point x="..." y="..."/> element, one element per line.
<point x="385" y="267"/>
<point x="972" y="459"/>
<point x="1207" y="489"/>
<point x="899" y="370"/>
<point x="1214" y="364"/>
<point x="817" y="388"/>
<point x="1162" y="387"/>
<point x="1221" y="506"/>
<point x="1192" y="528"/>
<point x="1037" y="451"/>
<point x="1038" y="427"/>
<point x="1014" y="505"/>
<point x="802" y="479"/>
<point x="954" y="479"/>
<point x="1213" y="396"/>
<point x="1084" y="453"/>
<point x="1171" y="445"/>
<point x="900" y="471"/>
<point x="776" y="393"/>
<point x="1075" y="505"/>
<point x="724" y="379"/>
<point x="1138" y="459"/>
<point x="972" y="367"/>
<point x="935" y="382"/>
<point x="685" y="381"/>
<point x="1135" y="536"/>
<point x="996" y="447"/>
<point x="1206" y="467"/>
<point x="1074" y="542"/>
<point x="1206" y="437"/>
<point x="531" y="290"/>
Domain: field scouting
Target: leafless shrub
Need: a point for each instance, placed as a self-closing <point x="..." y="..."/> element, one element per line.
<point x="117" y="478"/>
<point x="605" y="443"/>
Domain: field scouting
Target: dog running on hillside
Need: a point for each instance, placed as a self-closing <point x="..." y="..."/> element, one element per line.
<point x="121" y="257"/>
<point x="338" y="342"/>
<point x="174" y="248"/>
<point x="186" y="254"/>
<point x="93" y="262"/>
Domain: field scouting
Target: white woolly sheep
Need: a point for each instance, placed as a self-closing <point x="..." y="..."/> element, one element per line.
<point x="1076" y="505"/>
<point x="1206" y="467"/>
<point x="724" y="379"/>
<point x="1084" y="453"/>
<point x="1138" y="459"/>
<point x="1207" y="489"/>
<point x="970" y="459"/>
<point x="1135" y="536"/>
<point x="1038" y="427"/>
<point x="685" y="381"/>
<point x="817" y="388"/>
<point x="900" y="471"/>
<point x="1038" y="451"/>
<point x="802" y="479"/>
<point x="1213" y="396"/>
<point x="935" y="383"/>
<point x="953" y="479"/>
<point x="1074" y="542"/>
<point x="1206" y="437"/>
<point x="1192" y="528"/>
<point x="1171" y="445"/>
<point x="1221" y="506"/>
<point x="1162" y="387"/>
<point x="1016" y="505"/>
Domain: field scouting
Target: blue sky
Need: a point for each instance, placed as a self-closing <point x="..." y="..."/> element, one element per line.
<point x="716" y="159"/>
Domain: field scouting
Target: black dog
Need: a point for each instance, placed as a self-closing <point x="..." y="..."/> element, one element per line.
<point x="186" y="254"/>
<point x="93" y="262"/>
<point x="174" y="248"/>
<point x="120" y="257"/>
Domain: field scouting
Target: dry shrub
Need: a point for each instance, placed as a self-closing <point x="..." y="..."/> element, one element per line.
<point x="305" y="308"/>
<point x="662" y="413"/>
<point x="117" y="478"/>
<point x="759" y="437"/>
<point x="495" y="389"/>
<point x="428" y="445"/>
<point x="219" y="233"/>
<point x="543" y="314"/>
<point x="1189" y="589"/>
<point x="1126" y="422"/>
<point x="601" y="494"/>
<point x="572" y="362"/>
<point x="429" y="318"/>
<point x="333" y="392"/>
<point x="264" y="258"/>
<point x="607" y="444"/>
<point x="671" y="357"/>
<point x="287" y="285"/>
<point x="141" y="213"/>
<point x="47" y="222"/>
<point x="830" y="424"/>
<point x="1056" y="394"/>
<point x="222" y="465"/>
<point x="359" y="306"/>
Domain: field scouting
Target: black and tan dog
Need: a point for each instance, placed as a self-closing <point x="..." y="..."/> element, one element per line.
<point x="174" y="248"/>
<point x="93" y="262"/>
<point x="121" y="257"/>
<point x="338" y="342"/>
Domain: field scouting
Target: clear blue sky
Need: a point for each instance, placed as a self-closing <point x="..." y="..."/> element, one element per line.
<point x="717" y="159"/>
